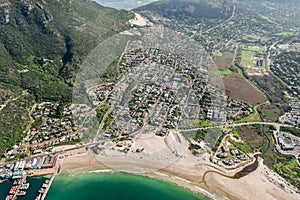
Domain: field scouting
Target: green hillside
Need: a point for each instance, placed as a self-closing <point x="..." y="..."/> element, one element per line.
<point x="190" y="10"/>
<point x="42" y="44"/>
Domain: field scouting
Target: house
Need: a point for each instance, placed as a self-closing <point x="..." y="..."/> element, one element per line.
<point x="225" y="148"/>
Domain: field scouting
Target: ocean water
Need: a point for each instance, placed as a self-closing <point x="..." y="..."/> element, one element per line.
<point x="4" y="189"/>
<point x="32" y="192"/>
<point x="124" y="4"/>
<point x="116" y="186"/>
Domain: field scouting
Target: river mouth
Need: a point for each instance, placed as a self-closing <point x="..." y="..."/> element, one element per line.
<point x="242" y="173"/>
<point x="248" y="169"/>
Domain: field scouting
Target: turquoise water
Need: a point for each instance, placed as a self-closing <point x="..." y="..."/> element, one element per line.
<point x="32" y="192"/>
<point x="116" y="186"/>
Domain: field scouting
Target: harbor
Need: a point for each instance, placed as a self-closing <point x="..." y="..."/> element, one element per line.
<point x="27" y="179"/>
<point x="33" y="188"/>
<point x="18" y="189"/>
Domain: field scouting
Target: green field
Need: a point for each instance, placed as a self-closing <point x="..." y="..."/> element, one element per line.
<point x="241" y="146"/>
<point x="217" y="54"/>
<point x="204" y="123"/>
<point x="254" y="117"/>
<point x="262" y="50"/>
<point x="223" y="73"/>
<point x="246" y="57"/>
<point x="289" y="169"/>
<point x="101" y="111"/>
<point x="252" y="38"/>
<point x="249" y="52"/>
<point x="107" y="122"/>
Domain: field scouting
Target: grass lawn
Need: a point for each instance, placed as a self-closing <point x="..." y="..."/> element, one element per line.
<point x="223" y="73"/>
<point x="249" y="52"/>
<point x="107" y="122"/>
<point x="217" y="54"/>
<point x="241" y="146"/>
<point x="262" y="50"/>
<point x="246" y="57"/>
<point x="254" y="117"/>
<point x="252" y="38"/>
<point x="204" y="123"/>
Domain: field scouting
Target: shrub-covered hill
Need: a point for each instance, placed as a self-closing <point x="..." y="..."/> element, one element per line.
<point x="42" y="42"/>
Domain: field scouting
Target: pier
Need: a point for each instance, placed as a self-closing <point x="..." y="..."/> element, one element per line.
<point x="46" y="186"/>
<point x="34" y="167"/>
<point x="18" y="189"/>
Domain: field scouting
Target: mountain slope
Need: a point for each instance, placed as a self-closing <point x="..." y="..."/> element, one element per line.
<point x="190" y="9"/>
<point x="42" y="43"/>
<point x="57" y="30"/>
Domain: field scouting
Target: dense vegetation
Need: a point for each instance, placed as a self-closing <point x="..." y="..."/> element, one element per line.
<point x="65" y="35"/>
<point x="42" y="44"/>
<point x="292" y="130"/>
<point x="14" y="119"/>
<point x="285" y="166"/>
<point x="190" y="11"/>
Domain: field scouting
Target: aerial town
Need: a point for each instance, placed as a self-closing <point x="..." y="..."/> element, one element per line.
<point x="53" y="126"/>
<point x="293" y="116"/>
<point x="288" y="144"/>
<point x="198" y="93"/>
<point x="285" y="64"/>
<point x="166" y="100"/>
<point x="170" y="95"/>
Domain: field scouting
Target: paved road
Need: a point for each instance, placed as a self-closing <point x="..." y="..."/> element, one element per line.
<point x="92" y="144"/>
<point x="236" y="125"/>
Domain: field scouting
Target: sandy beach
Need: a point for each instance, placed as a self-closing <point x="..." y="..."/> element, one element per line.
<point x="189" y="171"/>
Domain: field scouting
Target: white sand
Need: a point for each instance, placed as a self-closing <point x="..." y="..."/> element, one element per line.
<point x="188" y="172"/>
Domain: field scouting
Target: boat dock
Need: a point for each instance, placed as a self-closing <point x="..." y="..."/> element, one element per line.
<point x="44" y="189"/>
<point x="18" y="189"/>
<point x="46" y="186"/>
<point x="19" y="171"/>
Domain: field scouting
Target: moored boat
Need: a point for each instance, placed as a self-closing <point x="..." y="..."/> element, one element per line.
<point x="24" y="186"/>
<point x="21" y="193"/>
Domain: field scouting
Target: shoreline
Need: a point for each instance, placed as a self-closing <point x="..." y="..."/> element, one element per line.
<point x="169" y="178"/>
<point x="69" y="167"/>
<point x="261" y="183"/>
